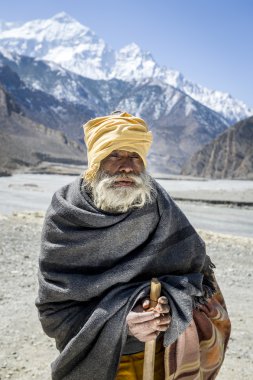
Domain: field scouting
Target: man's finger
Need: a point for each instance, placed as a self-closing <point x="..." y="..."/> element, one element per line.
<point x="163" y="327"/>
<point x="146" y="327"/>
<point x="164" y="320"/>
<point x="141" y="317"/>
<point x="147" y="338"/>
<point x="163" y="300"/>
<point x="146" y="304"/>
<point x="164" y="309"/>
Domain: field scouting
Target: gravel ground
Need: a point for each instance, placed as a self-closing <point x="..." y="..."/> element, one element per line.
<point x="26" y="352"/>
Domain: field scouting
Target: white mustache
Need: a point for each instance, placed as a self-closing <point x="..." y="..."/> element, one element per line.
<point x="110" y="180"/>
<point x="112" y="198"/>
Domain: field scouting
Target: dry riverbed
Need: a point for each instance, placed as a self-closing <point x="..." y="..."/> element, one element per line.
<point x="26" y="352"/>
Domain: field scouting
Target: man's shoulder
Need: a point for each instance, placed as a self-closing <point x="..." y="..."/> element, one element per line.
<point x="70" y="185"/>
<point x="66" y="194"/>
<point x="159" y="188"/>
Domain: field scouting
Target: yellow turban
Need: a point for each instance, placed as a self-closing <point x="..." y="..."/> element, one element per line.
<point x="114" y="132"/>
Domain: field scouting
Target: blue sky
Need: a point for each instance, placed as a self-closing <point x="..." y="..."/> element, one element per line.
<point x="209" y="41"/>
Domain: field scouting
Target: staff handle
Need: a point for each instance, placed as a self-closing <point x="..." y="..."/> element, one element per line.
<point x="149" y="353"/>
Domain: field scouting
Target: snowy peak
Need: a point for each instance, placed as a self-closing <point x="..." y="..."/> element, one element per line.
<point x="132" y="63"/>
<point x="175" y="78"/>
<point x="63" y="17"/>
<point x="60" y="27"/>
<point x="64" y="41"/>
<point x="8" y="25"/>
<point x="134" y="51"/>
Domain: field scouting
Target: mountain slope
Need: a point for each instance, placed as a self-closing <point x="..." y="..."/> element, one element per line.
<point x="24" y="143"/>
<point x="134" y="63"/>
<point x="63" y="40"/>
<point x="230" y="155"/>
<point x="44" y="108"/>
<point x="63" y="85"/>
<point x="180" y="125"/>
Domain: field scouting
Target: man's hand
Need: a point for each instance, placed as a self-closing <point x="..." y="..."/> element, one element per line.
<point x="146" y="325"/>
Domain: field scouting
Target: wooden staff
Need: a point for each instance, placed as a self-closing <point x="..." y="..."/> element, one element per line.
<point x="149" y="353"/>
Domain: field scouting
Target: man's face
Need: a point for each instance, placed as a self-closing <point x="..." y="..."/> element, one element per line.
<point x="121" y="183"/>
<point x="122" y="162"/>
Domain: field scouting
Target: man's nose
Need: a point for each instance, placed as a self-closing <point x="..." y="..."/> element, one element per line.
<point x="126" y="166"/>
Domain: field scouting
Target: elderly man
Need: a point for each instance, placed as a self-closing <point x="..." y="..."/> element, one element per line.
<point x="105" y="236"/>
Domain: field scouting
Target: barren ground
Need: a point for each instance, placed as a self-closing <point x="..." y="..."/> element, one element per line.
<point x="26" y="352"/>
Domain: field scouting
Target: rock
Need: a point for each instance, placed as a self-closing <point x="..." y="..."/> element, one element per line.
<point x="5" y="173"/>
<point x="230" y="155"/>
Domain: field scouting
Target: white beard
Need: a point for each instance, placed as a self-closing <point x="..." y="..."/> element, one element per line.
<point x="120" y="199"/>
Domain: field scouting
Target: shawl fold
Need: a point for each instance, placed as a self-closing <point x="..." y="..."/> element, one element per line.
<point x="95" y="266"/>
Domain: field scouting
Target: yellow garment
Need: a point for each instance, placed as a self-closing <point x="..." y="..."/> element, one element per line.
<point x="114" y="132"/>
<point x="131" y="366"/>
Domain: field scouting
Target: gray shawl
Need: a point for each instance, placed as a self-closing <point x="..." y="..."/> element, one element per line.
<point x="94" y="266"/>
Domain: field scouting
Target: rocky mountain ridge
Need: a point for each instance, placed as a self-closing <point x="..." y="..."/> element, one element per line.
<point x="230" y="155"/>
<point x="180" y="125"/>
<point x="64" y="41"/>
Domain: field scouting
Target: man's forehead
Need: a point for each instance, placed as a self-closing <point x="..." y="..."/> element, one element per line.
<point x="121" y="151"/>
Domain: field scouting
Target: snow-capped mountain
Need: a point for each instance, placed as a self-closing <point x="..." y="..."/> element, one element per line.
<point x="63" y="40"/>
<point x="133" y="63"/>
<point x="9" y="25"/>
<point x="63" y="100"/>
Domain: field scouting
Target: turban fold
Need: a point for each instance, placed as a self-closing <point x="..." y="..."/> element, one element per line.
<point x="114" y="132"/>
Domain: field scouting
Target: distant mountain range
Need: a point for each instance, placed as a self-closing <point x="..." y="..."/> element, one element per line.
<point x="56" y="74"/>
<point x="65" y="100"/>
<point x="230" y="155"/>
<point x="64" y="41"/>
